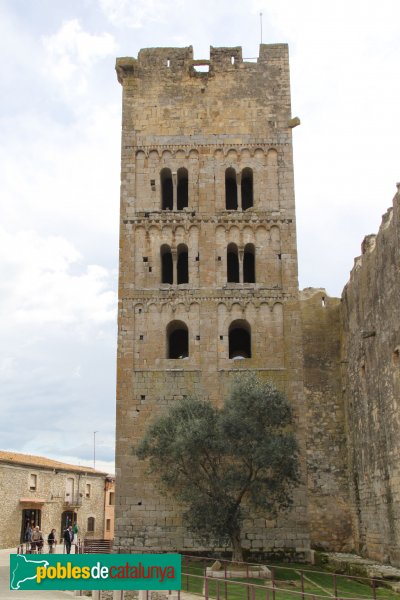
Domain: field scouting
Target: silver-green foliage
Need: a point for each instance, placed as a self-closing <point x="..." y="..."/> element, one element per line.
<point x="221" y="463"/>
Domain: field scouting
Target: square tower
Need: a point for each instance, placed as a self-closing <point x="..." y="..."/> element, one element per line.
<point x="208" y="262"/>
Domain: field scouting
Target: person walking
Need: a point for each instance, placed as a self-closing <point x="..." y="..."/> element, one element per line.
<point x="37" y="540"/>
<point x="52" y="542"/>
<point x="76" y="540"/>
<point x="28" y="537"/>
<point x="28" y="533"/>
<point x="68" y="538"/>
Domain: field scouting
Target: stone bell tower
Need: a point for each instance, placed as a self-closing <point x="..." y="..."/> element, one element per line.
<point x="208" y="262"/>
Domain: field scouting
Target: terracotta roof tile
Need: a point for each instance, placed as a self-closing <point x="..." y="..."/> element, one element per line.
<point x="41" y="461"/>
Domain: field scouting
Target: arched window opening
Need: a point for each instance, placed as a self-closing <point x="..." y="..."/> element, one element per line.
<point x="166" y="264"/>
<point x="232" y="263"/>
<point x="239" y="340"/>
<point x="90" y="525"/>
<point x="68" y="517"/>
<point x="249" y="264"/>
<point x="183" y="264"/>
<point x="231" y="201"/>
<point x="247" y="189"/>
<point x="183" y="186"/>
<point x="30" y="518"/>
<point x="167" y="194"/>
<point x="177" y="340"/>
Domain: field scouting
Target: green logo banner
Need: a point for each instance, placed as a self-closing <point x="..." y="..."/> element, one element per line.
<point x="95" y="571"/>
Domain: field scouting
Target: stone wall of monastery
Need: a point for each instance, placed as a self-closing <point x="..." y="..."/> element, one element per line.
<point x="327" y="471"/>
<point x="371" y="348"/>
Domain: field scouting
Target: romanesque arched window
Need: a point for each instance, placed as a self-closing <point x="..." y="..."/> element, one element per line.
<point x="231" y="196"/>
<point x="182" y="267"/>
<point x="239" y="340"/>
<point x="167" y="193"/>
<point x="247" y="188"/>
<point x="177" y="340"/>
<point x="232" y="264"/>
<point x="249" y="264"/>
<point x="183" y="188"/>
<point x="166" y="264"/>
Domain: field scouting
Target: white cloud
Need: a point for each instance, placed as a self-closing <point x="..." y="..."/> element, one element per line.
<point x="62" y="176"/>
<point x="72" y="52"/>
<point x="59" y="167"/>
<point x="125" y="13"/>
<point x="40" y="288"/>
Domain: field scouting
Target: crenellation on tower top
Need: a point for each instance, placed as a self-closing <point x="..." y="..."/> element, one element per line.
<point x="225" y="58"/>
<point x="179" y="61"/>
<point x="165" y="58"/>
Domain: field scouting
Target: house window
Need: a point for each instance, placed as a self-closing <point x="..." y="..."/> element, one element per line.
<point x="32" y="482"/>
<point x="108" y="524"/>
<point x="231" y="196"/>
<point x="90" y="525"/>
<point x="111" y="499"/>
<point x="88" y="490"/>
<point x="177" y="340"/>
<point x="239" y="340"/>
<point x="69" y="489"/>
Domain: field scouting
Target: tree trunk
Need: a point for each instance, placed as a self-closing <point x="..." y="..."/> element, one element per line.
<point x="237" y="550"/>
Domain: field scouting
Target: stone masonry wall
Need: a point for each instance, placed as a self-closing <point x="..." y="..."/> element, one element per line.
<point x="51" y="493"/>
<point x="236" y="116"/>
<point x="371" y="321"/>
<point x="327" y="472"/>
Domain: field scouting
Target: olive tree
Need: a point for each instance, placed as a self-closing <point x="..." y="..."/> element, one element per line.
<point x="221" y="463"/>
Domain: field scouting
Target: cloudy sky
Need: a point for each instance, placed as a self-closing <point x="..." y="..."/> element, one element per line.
<point x="59" y="171"/>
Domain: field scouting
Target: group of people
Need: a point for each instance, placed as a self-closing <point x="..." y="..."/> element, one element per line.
<point x="34" y="537"/>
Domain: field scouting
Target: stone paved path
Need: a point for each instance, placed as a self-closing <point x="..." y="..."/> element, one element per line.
<point x="7" y="594"/>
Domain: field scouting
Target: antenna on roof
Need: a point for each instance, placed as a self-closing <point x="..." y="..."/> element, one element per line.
<point x="261" y="25"/>
<point x="94" y="449"/>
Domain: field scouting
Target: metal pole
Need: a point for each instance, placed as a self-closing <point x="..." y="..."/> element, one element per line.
<point x="225" y="584"/>
<point x="373" y="588"/>
<point x="273" y="583"/>
<point x="94" y="449"/>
